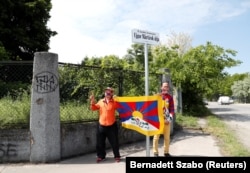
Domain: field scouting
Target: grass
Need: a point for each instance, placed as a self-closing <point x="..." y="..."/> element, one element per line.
<point x="227" y="140"/>
<point x="75" y="111"/>
<point x="17" y="111"/>
<point x="186" y="121"/>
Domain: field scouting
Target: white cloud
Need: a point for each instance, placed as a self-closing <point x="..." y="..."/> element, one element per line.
<point x="103" y="27"/>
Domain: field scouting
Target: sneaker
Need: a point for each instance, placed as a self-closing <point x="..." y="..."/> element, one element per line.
<point x="167" y="155"/>
<point x="117" y="159"/>
<point x="156" y="155"/>
<point x="99" y="159"/>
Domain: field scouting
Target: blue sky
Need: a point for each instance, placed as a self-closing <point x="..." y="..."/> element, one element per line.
<point x="103" y="27"/>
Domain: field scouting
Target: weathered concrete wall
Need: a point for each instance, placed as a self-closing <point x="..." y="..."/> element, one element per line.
<point x="14" y="145"/>
<point x="76" y="139"/>
<point x="80" y="139"/>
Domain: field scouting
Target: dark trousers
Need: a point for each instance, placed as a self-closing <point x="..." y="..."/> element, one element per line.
<point x="110" y="132"/>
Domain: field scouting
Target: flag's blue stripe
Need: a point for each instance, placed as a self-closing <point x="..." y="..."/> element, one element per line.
<point x="121" y="110"/>
<point x="125" y="118"/>
<point x="139" y="105"/>
<point x="125" y="108"/>
<point x="153" y="118"/>
<point x="152" y="106"/>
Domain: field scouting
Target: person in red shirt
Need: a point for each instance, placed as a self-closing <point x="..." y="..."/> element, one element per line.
<point x="107" y="125"/>
<point x="168" y="113"/>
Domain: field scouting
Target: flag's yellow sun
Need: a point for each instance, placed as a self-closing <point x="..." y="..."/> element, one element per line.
<point x="137" y="114"/>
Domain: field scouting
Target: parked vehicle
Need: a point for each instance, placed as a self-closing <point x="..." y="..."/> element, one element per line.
<point x="231" y="101"/>
<point x="224" y="100"/>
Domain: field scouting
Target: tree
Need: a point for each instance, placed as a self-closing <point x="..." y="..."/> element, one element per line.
<point x="23" y="29"/>
<point x="241" y="89"/>
<point x="3" y="54"/>
<point x="198" y="72"/>
<point x="182" y="41"/>
<point x="135" y="55"/>
<point x="204" y="70"/>
<point x="226" y="84"/>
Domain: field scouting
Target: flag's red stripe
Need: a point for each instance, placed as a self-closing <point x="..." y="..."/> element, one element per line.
<point x="152" y="112"/>
<point x="145" y="105"/>
<point x="154" y="123"/>
<point x="132" y="105"/>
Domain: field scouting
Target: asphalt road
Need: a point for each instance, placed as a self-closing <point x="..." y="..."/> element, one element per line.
<point x="237" y="117"/>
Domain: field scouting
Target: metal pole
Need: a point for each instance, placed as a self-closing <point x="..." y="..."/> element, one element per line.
<point x="146" y="93"/>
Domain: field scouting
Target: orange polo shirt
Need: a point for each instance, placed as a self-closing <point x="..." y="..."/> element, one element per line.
<point x="106" y="111"/>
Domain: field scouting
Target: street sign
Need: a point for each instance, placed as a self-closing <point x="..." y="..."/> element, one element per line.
<point x="141" y="36"/>
<point x="145" y="37"/>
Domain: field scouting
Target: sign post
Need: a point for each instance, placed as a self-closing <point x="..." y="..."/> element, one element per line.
<point x="145" y="37"/>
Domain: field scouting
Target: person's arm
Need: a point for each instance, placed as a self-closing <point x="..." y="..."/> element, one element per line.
<point x="170" y="116"/>
<point x="171" y="106"/>
<point x="93" y="105"/>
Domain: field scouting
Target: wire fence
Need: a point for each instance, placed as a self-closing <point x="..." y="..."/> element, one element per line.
<point x="76" y="82"/>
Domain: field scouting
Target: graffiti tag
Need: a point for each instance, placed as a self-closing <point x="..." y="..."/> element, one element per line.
<point x="45" y="82"/>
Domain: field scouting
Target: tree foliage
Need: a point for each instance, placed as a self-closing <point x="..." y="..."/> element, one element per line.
<point x="198" y="72"/>
<point x="136" y="56"/>
<point x="241" y="89"/>
<point x="96" y="73"/>
<point x="226" y="84"/>
<point x="3" y="54"/>
<point x="182" y="41"/>
<point x="23" y="29"/>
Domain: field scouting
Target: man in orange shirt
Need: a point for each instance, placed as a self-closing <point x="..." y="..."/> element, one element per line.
<point x="107" y="125"/>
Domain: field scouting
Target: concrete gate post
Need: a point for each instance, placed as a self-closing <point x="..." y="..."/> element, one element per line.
<point x="45" y="114"/>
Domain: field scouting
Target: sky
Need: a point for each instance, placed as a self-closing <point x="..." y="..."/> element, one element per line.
<point x="96" y="28"/>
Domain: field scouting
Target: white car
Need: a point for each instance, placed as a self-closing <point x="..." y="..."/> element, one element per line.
<point x="224" y="100"/>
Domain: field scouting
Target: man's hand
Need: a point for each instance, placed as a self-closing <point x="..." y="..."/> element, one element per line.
<point x="92" y="98"/>
<point x="169" y="118"/>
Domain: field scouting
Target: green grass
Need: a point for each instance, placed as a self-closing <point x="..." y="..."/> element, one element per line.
<point x="228" y="143"/>
<point x="227" y="138"/>
<point x="186" y="121"/>
<point x="16" y="112"/>
<point x="75" y="112"/>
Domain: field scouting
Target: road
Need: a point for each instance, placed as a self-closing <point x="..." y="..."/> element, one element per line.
<point x="237" y="117"/>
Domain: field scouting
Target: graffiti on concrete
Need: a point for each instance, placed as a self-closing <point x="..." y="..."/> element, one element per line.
<point x="45" y="82"/>
<point x="8" y="150"/>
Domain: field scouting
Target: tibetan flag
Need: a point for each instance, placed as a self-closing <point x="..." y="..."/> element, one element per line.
<point x="142" y="114"/>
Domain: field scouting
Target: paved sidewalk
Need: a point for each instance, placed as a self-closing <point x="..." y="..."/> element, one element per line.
<point x="184" y="143"/>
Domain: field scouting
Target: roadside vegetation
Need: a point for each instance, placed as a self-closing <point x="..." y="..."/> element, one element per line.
<point x="15" y="113"/>
<point x="229" y="143"/>
<point x="20" y="108"/>
<point x="227" y="140"/>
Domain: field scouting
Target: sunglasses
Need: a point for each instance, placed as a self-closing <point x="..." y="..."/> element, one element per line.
<point x="108" y="93"/>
